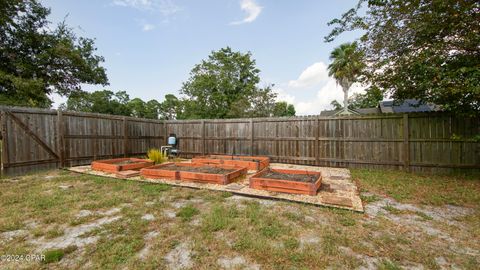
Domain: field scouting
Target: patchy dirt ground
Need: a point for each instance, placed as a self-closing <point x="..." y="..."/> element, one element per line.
<point x="83" y="222"/>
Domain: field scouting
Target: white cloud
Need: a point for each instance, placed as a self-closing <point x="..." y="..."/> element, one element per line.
<point x="166" y="7"/>
<point x="147" y="27"/>
<point x="138" y="4"/>
<point x="314" y="79"/>
<point x="329" y="92"/>
<point x="282" y="95"/>
<point x="252" y="10"/>
<point x="311" y="76"/>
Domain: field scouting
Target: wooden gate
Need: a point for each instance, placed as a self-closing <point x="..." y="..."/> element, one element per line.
<point x="29" y="140"/>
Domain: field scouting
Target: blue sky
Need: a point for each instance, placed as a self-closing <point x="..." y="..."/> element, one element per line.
<point x="150" y="46"/>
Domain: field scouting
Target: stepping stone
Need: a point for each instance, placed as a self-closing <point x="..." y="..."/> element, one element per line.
<point x="127" y="174"/>
<point x="337" y="177"/>
<point x="336" y="200"/>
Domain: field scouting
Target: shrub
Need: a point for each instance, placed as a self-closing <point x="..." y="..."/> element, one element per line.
<point x="156" y="155"/>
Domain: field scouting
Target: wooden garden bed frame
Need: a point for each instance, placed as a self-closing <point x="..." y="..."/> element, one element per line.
<point x="258" y="164"/>
<point x="286" y="186"/>
<point x="157" y="172"/>
<point x="112" y="166"/>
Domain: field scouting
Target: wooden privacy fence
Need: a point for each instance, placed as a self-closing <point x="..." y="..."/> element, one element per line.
<point x="35" y="139"/>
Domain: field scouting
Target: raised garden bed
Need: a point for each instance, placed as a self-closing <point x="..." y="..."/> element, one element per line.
<point x="287" y="181"/>
<point x="250" y="162"/>
<point x="195" y="172"/>
<point x="121" y="164"/>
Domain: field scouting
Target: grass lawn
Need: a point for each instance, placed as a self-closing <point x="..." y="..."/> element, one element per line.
<point x="83" y="221"/>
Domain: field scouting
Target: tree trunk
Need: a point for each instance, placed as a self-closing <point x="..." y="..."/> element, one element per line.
<point x="345" y="87"/>
<point x="345" y="99"/>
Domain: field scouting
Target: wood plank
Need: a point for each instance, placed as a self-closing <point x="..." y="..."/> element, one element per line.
<point x="406" y="143"/>
<point x="31" y="134"/>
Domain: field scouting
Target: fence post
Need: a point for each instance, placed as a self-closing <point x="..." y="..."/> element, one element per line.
<point x="95" y="140"/>
<point x="165" y="132"/>
<point x="60" y="138"/>
<point x="251" y="136"/>
<point x="5" y="158"/>
<point x="125" y="137"/>
<point x="203" y="138"/>
<point x="406" y="143"/>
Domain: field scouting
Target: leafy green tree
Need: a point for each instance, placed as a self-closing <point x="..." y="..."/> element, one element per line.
<point x="225" y="86"/>
<point x="282" y="108"/>
<point x="36" y="62"/>
<point x="137" y="107"/>
<point x="369" y="99"/>
<point x="141" y="109"/>
<point x="104" y="101"/>
<point x="153" y="109"/>
<point x="346" y="67"/>
<point x="119" y="103"/>
<point x="336" y="105"/>
<point x="423" y="49"/>
<point x="171" y="108"/>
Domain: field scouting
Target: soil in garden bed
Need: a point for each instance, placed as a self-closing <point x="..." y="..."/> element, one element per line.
<point x="235" y="158"/>
<point x="308" y="178"/>
<point x="202" y="169"/>
<point x="126" y="162"/>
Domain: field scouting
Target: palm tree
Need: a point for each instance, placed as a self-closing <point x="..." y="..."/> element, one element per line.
<point x="346" y="67"/>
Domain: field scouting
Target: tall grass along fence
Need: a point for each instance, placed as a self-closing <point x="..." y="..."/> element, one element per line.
<point x="36" y="139"/>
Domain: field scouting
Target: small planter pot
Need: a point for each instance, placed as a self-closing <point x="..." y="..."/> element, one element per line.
<point x="259" y="181"/>
<point x="121" y="164"/>
<point x="250" y="162"/>
<point x="159" y="171"/>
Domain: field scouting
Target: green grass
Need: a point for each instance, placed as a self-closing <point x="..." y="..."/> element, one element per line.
<point x="423" y="215"/>
<point x="388" y="265"/>
<point x="54" y="255"/>
<point x="274" y="236"/>
<point x="219" y="218"/>
<point x="370" y="198"/>
<point x="291" y="243"/>
<point x="154" y="189"/>
<point x="434" y="189"/>
<point x="187" y="212"/>
<point x="392" y="209"/>
<point x="54" y="233"/>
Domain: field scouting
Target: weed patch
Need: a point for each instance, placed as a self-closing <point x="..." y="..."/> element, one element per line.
<point x="187" y="212"/>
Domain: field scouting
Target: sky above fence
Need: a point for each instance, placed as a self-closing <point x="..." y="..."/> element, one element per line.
<point x="150" y="46"/>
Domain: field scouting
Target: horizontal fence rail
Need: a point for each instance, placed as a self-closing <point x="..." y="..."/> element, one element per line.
<point x="36" y="139"/>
